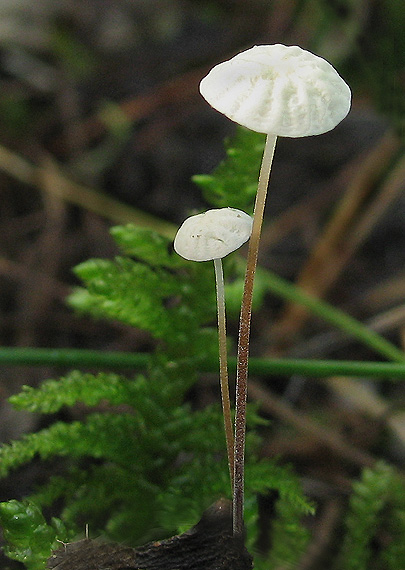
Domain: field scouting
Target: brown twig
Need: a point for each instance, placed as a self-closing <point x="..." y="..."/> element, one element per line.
<point x="179" y="89"/>
<point x="334" y="248"/>
<point x="322" y="535"/>
<point x="78" y="194"/>
<point x="275" y="406"/>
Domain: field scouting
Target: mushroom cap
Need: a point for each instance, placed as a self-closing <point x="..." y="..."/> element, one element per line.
<point x="213" y="234"/>
<point x="278" y="89"/>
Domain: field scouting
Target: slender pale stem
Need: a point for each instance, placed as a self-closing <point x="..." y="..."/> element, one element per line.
<point x="244" y="335"/>
<point x="223" y="365"/>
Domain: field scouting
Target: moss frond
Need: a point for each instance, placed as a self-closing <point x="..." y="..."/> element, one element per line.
<point x="30" y="538"/>
<point x="234" y="181"/>
<point x="371" y="510"/>
<point x="88" y="389"/>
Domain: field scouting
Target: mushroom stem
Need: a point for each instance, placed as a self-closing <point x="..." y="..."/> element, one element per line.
<point x="223" y="365"/>
<point x="244" y="336"/>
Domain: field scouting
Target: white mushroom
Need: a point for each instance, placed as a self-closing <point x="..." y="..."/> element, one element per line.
<point x="281" y="91"/>
<point x="211" y="236"/>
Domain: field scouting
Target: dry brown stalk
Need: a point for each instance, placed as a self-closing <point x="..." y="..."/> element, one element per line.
<point x="322" y="535"/>
<point x="88" y="198"/>
<point x="275" y="406"/>
<point x="344" y="232"/>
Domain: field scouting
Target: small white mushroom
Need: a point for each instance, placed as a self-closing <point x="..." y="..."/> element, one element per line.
<point x="210" y="236"/>
<point x="281" y="91"/>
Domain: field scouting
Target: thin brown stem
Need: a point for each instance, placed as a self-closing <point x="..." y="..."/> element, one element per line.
<point x="244" y="336"/>
<point x="223" y="365"/>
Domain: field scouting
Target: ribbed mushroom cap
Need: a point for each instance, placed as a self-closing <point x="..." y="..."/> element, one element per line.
<point x="280" y="90"/>
<point x="213" y="234"/>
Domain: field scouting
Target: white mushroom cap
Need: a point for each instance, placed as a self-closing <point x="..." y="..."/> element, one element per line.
<point x="213" y="234"/>
<point x="279" y="90"/>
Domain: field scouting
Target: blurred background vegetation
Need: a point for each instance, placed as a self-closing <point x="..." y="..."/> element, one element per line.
<point x="101" y="123"/>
